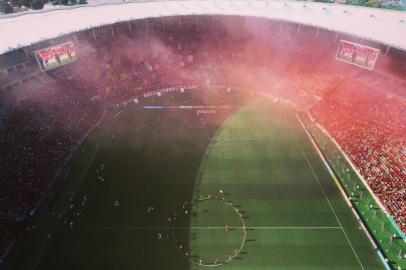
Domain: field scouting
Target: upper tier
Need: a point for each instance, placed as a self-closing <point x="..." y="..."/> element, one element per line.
<point x="383" y="26"/>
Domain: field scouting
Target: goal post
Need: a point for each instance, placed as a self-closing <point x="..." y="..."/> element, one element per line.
<point x="200" y="112"/>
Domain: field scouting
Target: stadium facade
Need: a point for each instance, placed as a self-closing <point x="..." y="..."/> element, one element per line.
<point x="375" y="27"/>
<point x="382" y="26"/>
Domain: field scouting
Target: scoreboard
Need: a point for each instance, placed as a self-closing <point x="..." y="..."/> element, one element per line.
<point x="56" y="56"/>
<point x="357" y="54"/>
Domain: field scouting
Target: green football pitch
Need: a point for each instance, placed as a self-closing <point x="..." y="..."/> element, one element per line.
<point x="244" y="191"/>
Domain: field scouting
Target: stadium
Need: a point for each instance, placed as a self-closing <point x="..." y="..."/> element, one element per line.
<point x="203" y="134"/>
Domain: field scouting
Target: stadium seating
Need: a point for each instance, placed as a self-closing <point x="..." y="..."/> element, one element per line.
<point x="40" y="134"/>
<point x="370" y="124"/>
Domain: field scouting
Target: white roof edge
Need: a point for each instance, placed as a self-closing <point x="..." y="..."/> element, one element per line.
<point x="380" y="25"/>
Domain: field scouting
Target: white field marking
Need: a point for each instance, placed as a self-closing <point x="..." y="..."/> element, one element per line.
<point x="270" y="135"/>
<point x="240" y="139"/>
<point x="206" y="228"/>
<point x="243" y="227"/>
<point x="325" y="195"/>
<point x="117" y="114"/>
<point x="231" y="142"/>
<point x="255" y="127"/>
<point x="294" y="228"/>
<point x="237" y="140"/>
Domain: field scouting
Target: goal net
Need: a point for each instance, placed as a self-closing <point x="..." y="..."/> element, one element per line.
<point x="201" y="112"/>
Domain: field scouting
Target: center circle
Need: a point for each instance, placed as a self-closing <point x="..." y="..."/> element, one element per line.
<point x="209" y="231"/>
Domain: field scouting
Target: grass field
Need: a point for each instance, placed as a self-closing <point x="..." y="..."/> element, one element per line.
<point x="278" y="209"/>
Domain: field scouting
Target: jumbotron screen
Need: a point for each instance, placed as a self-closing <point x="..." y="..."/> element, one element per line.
<point x="357" y="54"/>
<point x="56" y="56"/>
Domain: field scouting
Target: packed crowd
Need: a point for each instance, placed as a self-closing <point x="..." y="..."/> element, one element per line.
<point x="153" y="62"/>
<point x="370" y="124"/>
<point x="40" y="134"/>
<point x="126" y="66"/>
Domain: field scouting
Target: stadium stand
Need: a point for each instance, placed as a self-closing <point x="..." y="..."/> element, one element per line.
<point x="45" y="114"/>
<point x="12" y="59"/>
<point x="373" y="140"/>
<point x="39" y="136"/>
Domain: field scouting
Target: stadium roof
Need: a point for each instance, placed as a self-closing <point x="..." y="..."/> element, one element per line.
<point x="384" y="26"/>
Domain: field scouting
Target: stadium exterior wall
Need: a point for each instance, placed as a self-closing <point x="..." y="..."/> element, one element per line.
<point x="381" y="26"/>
